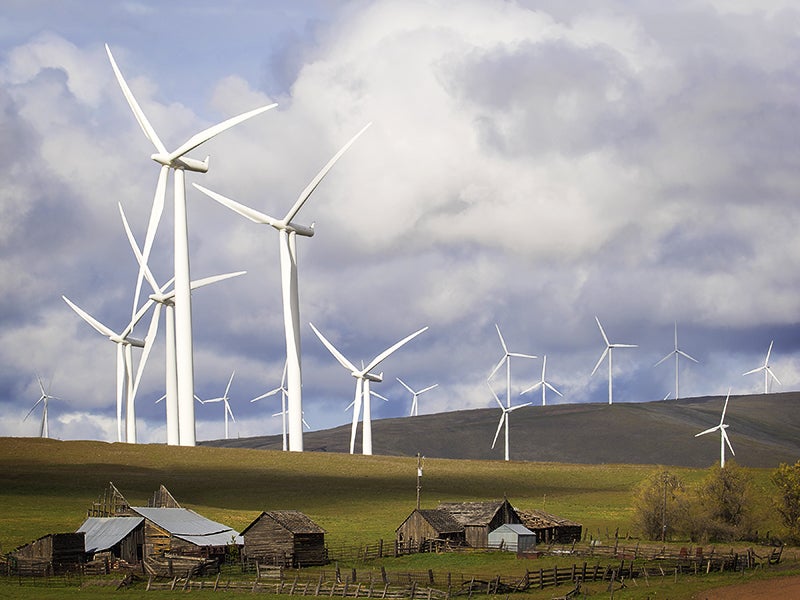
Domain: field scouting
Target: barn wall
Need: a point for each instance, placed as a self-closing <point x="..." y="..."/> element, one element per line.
<point x="156" y="540"/>
<point x="309" y="549"/>
<point x="267" y="540"/>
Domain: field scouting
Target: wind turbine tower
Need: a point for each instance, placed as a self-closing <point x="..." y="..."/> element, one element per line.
<point x="178" y="163"/>
<point x="677" y="353"/>
<point x="608" y="351"/>
<point x="44" y="430"/>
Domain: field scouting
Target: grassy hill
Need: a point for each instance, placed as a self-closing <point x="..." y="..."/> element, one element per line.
<point x="764" y="431"/>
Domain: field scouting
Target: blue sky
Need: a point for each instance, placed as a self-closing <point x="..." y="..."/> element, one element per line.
<point x="530" y="164"/>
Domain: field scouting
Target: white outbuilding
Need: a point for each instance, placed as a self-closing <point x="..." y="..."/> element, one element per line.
<point x="512" y="537"/>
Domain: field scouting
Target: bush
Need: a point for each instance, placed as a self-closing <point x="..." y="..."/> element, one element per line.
<point x="787" y="479"/>
<point x="660" y="506"/>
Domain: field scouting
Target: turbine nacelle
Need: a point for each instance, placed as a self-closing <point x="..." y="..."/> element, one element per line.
<point x="181" y="162"/>
<point x="368" y="376"/>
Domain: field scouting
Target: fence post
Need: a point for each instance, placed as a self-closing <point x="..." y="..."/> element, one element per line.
<point x="380" y="548"/>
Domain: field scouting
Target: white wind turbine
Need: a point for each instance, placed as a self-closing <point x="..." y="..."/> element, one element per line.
<point x="178" y="163"/>
<point x="288" y="231"/>
<point x="504" y="418"/>
<point x="282" y="389"/>
<point x="608" y="350"/>
<point x="415" y="394"/>
<point x="125" y="381"/>
<point x="767" y="370"/>
<point x="363" y="379"/>
<point x="507" y="360"/>
<point x="723" y="436"/>
<point x="44" y="430"/>
<point x="165" y="298"/>
<point x="678" y="353"/>
<point x="543" y="383"/>
<point x="226" y="405"/>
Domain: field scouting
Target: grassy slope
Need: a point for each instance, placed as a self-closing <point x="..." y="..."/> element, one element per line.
<point x="46" y="486"/>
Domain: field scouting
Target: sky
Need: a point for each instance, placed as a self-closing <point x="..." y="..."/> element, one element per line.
<point x="530" y="164"/>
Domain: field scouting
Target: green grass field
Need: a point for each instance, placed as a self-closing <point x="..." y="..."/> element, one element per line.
<point x="46" y="486"/>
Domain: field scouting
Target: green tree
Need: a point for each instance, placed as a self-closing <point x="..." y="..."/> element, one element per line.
<point x="787" y="479"/>
<point x="724" y="505"/>
<point x="659" y="506"/>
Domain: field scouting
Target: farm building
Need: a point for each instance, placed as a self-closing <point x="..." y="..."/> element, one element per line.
<point x="183" y="531"/>
<point x="285" y="537"/>
<point x="424" y="525"/>
<point x="479" y="518"/>
<point x="122" y="538"/>
<point x="512" y="537"/>
<point x="550" y="529"/>
<point x="52" y="553"/>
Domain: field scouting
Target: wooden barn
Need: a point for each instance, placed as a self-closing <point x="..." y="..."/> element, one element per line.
<point x="50" y="554"/>
<point x="119" y="538"/>
<point x="285" y="537"/>
<point x="479" y="518"/>
<point x="184" y="532"/>
<point x="424" y="525"/>
<point x="550" y="529"/>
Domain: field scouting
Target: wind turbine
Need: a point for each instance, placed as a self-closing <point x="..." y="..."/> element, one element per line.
<point x="282" y="389"/>
<point x="363" y="379"/>
<point x="125" y="381"/>
<point x="723" y="436"/>
<point x="288" y="232"/>
<point x="504" y="417"/>
<point x="678" y="353"/>
<point x="165" y="298"/>
<point x="507" y="360"/>
<point x="44" y="431"/>
<point x="414" y="408"/>
<point x="226" y="404"/>
<point x="178" y="162"/>
<point x="608" y="350"/>
<point x="767" y="370"/>
<point x="543" y="383"/>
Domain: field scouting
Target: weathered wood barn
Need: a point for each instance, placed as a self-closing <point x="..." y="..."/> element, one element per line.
<point x="50" y="554"/>
<point x="426" y="525"/>
<point x="512" y="537"/>
<point x="120" y="538"/>
<point x="285" y="537"/>
<point x="550" y="529"/>
<point x="479" y="518"/>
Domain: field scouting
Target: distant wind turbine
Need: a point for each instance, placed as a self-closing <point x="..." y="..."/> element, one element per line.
<point x="177" y="162"/>
<point x="543" y="383"/>
<point x="284" y="393"/>
<point x="225" y="399"/>
<point x="767" y="370"/>
<point x="677" y="353"/>
<point x="415" y="394"/>
<point x="363" y="379"/>
<point x="44" y="430"/>
<point x="288" y="231"/>
<point x="504" y="417"/>
<point x="608" y="350"/>
<point x="723" y="436"/>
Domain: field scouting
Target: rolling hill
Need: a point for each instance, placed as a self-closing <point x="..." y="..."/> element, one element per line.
<point x="764" y="431"/>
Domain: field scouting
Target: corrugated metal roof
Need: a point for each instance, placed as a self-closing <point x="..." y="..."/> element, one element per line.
<point x="513" y="528"/>
<point x="188" y="525"/>
<point x="102" y="533"/>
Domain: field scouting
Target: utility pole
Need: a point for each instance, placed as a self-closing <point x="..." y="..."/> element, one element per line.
<point x="419" y="477"/>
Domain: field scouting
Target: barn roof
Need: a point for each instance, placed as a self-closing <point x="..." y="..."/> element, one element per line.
<point x="291" y="520"/>
<point x="441" y="520"/>
<point x="188" y="525"/>
<point x="515" y="528"/>
<point x="472" y="513"/>
<point x="102" y="533"/>
<point x="537" y="519"/>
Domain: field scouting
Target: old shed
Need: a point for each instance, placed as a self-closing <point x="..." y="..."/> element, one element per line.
<point x="550" y="529"/>
<point x="285" y="537"/>
<point x="426" y="525"/>
<point x="121" y="537"/>
<point x="479" y="518"/>
<point x="52" y="553"/>
<point x="512" y="537"/>
<point x="183" y="531"/>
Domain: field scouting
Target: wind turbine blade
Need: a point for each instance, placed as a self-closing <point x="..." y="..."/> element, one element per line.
<point x="624" y="346"/>
<point x="229" y="411"/>
<point x="602" y="331"/>
<point x="267" y="395"/>
<point x="148" y="130"/>
<point x="727" y="441"/>
<point x="143" y="268"/>
<point x="665" y="358"/>
<point x="553" y="389"/>
<point x="377" y="395"/>
<point x="336" y="354"/>
<point x="684" y="355"/>
<point x="149" y="340"/>
<point x="245" y="211"/>
<point x="502" y="341"/>
<point x="600" y="360"/>
<point x="136" y="318"/>
<point x="430" y="387"/>
<point x="497" y="366"/>
<point x="533" y="387"/>
<point x="711" y="430"/>
<point x="382" y="356"/>
<point x="499" y="427"/>
<point x="205" y="135"/>
<point x="773" y="376"/>
<point x="320" y="176"/>
<point x="228" y="387"/>
<point x="769" y="351"/>
<point x="97" y="325"/>
<point x="152" y="226"/>
<point x="403" y="383"/>
<point x="33" y="408"/>
<point x="725" y="407"/>
<point x="214" y="279"/>
<point x="496" y="399"/>
<point x="756" y="370"/>
<point x="513" y="408"/>
<point x="520" y="355"/>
